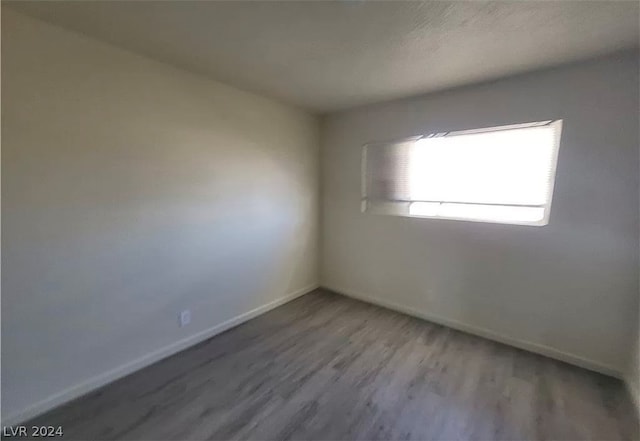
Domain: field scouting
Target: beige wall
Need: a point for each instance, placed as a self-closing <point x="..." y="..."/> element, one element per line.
<point x="568" y="289"/>
<point x="133" y="190"/>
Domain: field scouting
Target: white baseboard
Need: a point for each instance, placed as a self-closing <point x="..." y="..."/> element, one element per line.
<point x="486" y="333"/>
<point x="107" y="377"/>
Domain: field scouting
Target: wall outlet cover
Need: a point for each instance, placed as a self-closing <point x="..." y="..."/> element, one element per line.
<point x="185" y="318"/>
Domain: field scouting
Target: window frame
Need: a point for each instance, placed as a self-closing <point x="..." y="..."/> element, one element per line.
<point x="396" y="208"/>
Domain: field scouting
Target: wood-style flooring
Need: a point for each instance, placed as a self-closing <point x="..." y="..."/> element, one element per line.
<point x="326" y="367"/>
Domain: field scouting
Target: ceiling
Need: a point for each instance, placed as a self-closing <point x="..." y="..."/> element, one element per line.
<point x="331" y="55"/>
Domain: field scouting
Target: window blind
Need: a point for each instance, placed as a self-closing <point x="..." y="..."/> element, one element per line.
<point x="500" y="174"/>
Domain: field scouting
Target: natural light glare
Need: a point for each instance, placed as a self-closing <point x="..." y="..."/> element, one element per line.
<point x="502" y="167"/>
<point x="500" y="174"/>
<point x="496" y="213"/>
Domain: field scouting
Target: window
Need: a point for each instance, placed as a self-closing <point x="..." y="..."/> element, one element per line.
<point x="501" y="174"/>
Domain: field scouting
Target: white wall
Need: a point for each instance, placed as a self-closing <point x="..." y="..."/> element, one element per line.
<point x="632" y="376"/>
<point x="567" y="289"/>
<point x="131" y="191"/>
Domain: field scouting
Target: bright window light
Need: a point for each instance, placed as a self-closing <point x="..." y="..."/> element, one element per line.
<point x="498" y="213"/>
<point x="503" y="174"/>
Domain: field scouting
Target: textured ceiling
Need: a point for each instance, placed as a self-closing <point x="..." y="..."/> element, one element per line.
<point x="326" y="56"/>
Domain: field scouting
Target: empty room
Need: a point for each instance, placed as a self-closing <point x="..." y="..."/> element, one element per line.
<point x="320" y="220"/>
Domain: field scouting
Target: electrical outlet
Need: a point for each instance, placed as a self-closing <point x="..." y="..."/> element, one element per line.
<point x="185" y="318"/>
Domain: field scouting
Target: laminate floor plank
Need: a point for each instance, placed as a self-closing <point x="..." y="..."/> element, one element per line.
<point x="326" y="367"/>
